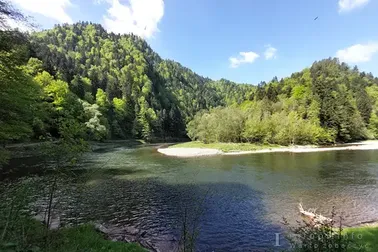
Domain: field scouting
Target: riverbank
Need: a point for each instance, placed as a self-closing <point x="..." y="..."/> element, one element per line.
<point x="197" y="149"/>
<point x="366" y="238"/>
<point x="88" y="238"/>
<point x="81" y="238"/>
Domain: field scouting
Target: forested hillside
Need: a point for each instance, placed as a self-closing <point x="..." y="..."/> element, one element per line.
<point x="329" y="102"/>
<point x="134" y="92"/>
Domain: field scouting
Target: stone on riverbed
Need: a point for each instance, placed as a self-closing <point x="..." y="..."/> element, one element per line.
<point x="55" y="222"/>
<point x="132" y="234"/>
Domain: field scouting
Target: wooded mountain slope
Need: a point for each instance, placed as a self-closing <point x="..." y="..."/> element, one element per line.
<point x="138" y="93"/>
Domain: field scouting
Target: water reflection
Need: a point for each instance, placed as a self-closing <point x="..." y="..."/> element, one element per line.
<point x="248" y="195"/>
<point x="231" y="219"/>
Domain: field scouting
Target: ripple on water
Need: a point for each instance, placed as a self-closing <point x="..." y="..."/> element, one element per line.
<point x="241" y="199"/>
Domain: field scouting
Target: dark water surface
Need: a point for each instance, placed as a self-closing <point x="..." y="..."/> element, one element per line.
<point x="240" y="199"/>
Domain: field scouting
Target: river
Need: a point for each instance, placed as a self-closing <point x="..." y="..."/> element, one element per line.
<point x="240" y="200"/>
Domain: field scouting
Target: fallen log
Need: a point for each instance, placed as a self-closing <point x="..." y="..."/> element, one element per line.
<point x="313" y="218"/>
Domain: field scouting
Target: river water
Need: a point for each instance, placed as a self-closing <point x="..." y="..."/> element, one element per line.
<point x="237" y="202"/>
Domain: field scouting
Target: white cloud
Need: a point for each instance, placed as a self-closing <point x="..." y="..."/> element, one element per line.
<point x="22" y="26"/>
<point x="358" y="53"/>
<point x="54" y="9"/>
<point x="245" y="57"/>
<point x="348" y="5"/>
<point x="270" y="52"/>
<point x="99" y="1"/>
<point x="140" y="17"/>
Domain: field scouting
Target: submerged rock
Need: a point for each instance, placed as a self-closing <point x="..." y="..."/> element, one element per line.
<point x="55" y="222"/>
<point x="132" y="234"/>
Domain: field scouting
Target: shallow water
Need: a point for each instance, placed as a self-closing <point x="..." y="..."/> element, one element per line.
<point x="240" y="199"/>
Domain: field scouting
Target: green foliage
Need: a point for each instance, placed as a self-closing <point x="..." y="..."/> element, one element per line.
<point x="102" y="99"/>
<point x="373" y="120"/>
<point x="330" y="237"/>
<point x="74" y="239"/>
<point x="33" y="67"/>
<point x="159" y="96"/>
<point x="366" y="237"/>
<point x="20" y="95"/>
<point x="80" y="86"/>
<point x="219" y="125"/>
<point x="306" y="237"/>
<point x="226" y="147"/>
<point x="85" y="238"/>
<point x="95" y="123"/>
<point x="324" y="104"/>
<point x="331" y="82"/>
<point x="256" y="122"/>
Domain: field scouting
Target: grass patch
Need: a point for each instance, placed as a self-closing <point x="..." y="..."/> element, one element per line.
<point x="85" y="238"/>
<point x="77" y="239"/>
<point x="226" y="147"/>
<point x="366" y="238"/>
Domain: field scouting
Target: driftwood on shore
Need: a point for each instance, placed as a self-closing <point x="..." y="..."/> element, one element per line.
<point x="313" y="218"/>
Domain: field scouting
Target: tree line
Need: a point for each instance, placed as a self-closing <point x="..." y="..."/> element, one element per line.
<point x="326" y="103"/>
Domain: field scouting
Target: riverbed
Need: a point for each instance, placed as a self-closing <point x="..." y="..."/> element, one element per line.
<point x="240" y="200"/>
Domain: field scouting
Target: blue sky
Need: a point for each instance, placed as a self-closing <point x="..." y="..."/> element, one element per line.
<point x="245" y="41"/>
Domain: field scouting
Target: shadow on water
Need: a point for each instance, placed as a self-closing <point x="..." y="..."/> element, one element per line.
<point x="28" y="160"/>
<point x="245" y="196"/>
<point x="106" y="172"/>
<point x="23" y="166"/>
<point x="98" y="147"/>
<point x="231" y="218"/>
